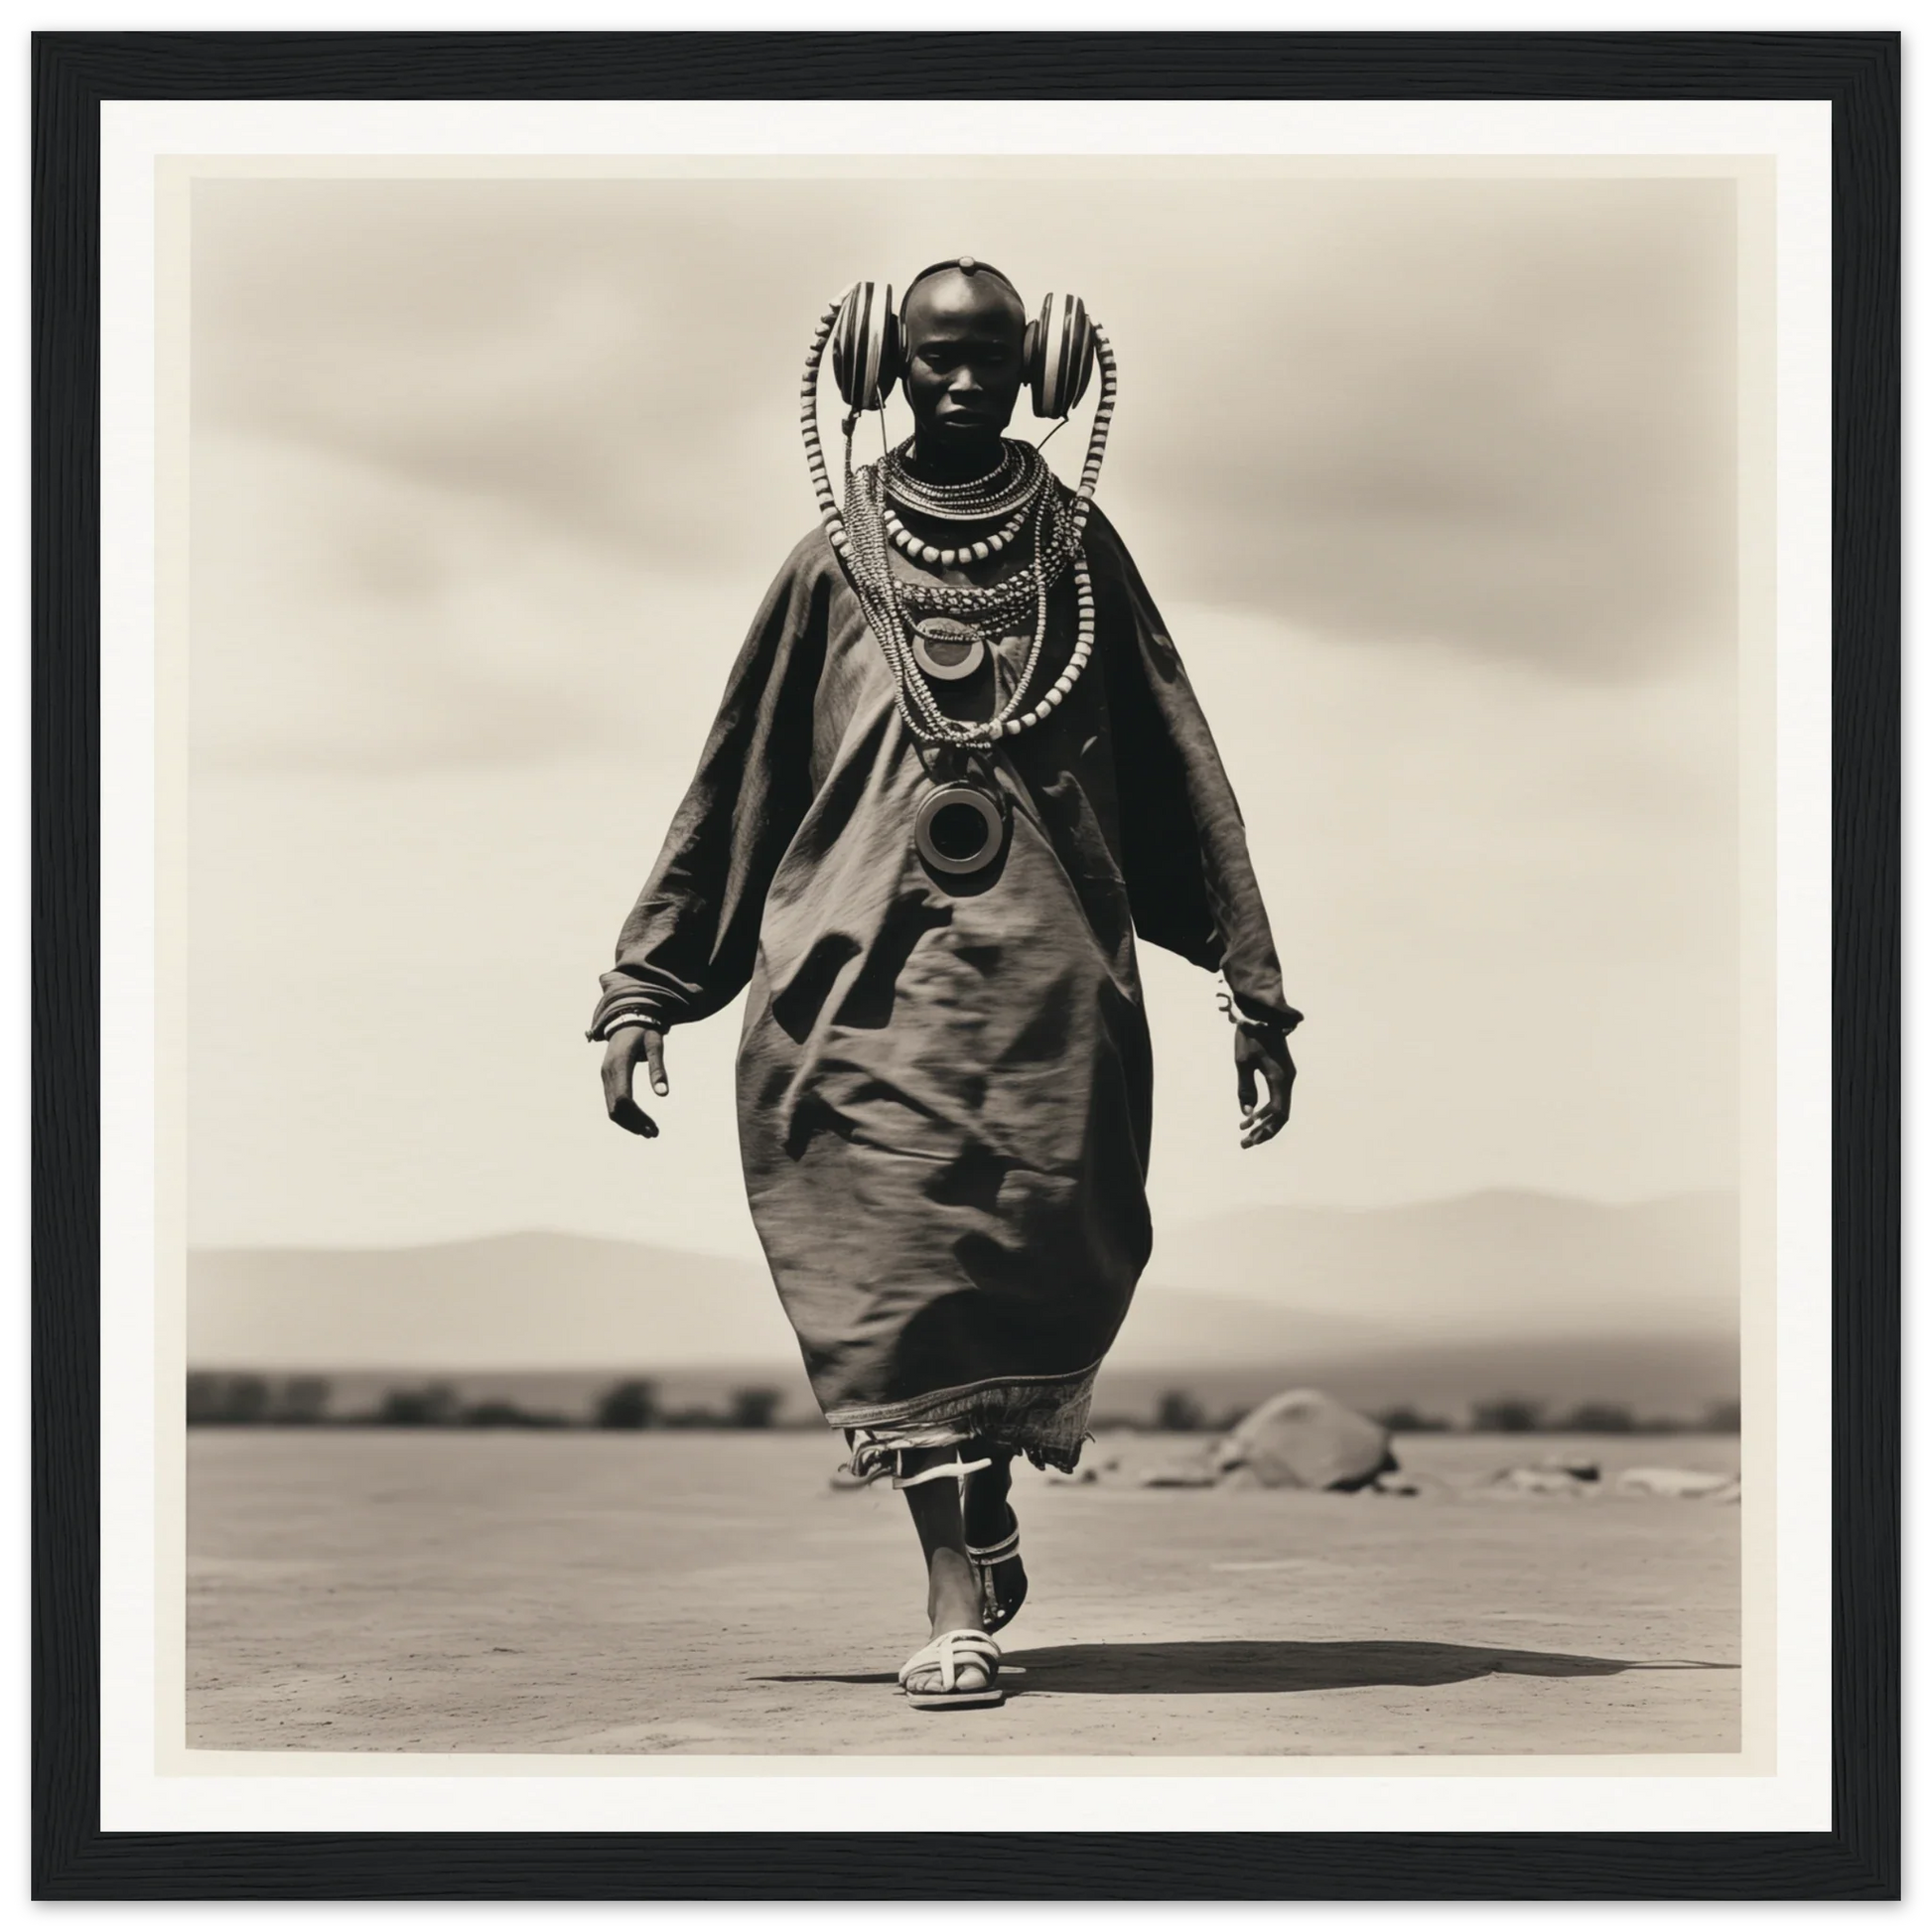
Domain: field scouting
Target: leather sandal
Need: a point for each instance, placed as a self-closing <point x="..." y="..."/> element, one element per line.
<point x="985" y="1558"/>
<point x="949" y="1653"/>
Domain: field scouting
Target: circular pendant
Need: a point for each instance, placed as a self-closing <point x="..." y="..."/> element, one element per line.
<point x="946" y="648"/>
<point x="958" y="828"/>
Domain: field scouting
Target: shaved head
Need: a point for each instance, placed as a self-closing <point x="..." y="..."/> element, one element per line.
<point x="981" y="294"/>
<point x="964" y="330"/>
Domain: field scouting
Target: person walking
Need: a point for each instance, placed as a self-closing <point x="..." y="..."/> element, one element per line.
<point x="956" y="772"/>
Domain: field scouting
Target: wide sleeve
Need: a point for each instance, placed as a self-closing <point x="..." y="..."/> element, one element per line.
<point x="1191" y="884"/>
<point x="689" y="945"/>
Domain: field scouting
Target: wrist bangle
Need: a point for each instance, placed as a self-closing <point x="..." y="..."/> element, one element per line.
<point x="618" y="1021"/>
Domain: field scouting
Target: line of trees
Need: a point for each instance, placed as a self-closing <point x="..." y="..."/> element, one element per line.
<point x="1519" y="1416"/>
<point x="1179" y="1412"/>
<point x="216" y="1399"/>
<point x="634" y="1405"/>
<point x="257" y="1399"/>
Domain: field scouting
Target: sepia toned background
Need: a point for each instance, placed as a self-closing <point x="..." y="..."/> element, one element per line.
<point x="1434" y="479"/>
<point x="1433" y="473"/>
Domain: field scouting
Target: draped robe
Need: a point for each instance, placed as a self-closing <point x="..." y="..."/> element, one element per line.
<point x="944" y="1082"/>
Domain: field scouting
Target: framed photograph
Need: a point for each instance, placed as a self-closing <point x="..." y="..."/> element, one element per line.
<point x="1008" y="958"/>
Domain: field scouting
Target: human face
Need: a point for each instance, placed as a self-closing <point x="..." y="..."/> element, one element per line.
<point x="963" y="338"/>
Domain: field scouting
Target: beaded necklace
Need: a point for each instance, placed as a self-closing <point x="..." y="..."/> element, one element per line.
<point x="883" y="597"/>
<point x="863" y="542"/>
<point x="976" y="551"/>
<point x="1009" y="486"/>
<point x="1009" y="595"/>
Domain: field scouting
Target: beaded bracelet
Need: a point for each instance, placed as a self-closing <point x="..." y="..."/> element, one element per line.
<point x="630" y="1016"/>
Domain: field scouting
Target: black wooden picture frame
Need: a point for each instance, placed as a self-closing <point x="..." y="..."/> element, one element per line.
<point x="73" y="72"/>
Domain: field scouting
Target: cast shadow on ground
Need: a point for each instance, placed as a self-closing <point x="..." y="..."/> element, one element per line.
<point x="1236" y="1667"/>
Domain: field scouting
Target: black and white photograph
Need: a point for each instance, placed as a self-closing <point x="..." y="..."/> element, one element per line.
<point x="969" y="960"/>
<point x="965" y="965"/>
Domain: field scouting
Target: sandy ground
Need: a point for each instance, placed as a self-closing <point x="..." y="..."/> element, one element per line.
<point x="398" y="1590"/>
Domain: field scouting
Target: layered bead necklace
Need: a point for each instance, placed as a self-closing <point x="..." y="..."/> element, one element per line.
<point x="969" y="550"/>
<point x="1008" y="486"/>
<point x="932" y="629"/>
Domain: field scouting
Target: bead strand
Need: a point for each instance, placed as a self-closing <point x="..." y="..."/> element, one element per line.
<point x="875" y="586"/>
<point x="977" y="551"/>
<point x="1011" y="485"/>
<point x="1103" y="418"/>
<point x="884" y="625"/>
<point x="1082" y="651"/>
<point x="1010" y="594"/>
<point x="884" y="598"/>
<point x="939" y="726"/>
<point x="940" y="723"/>
<point x="828" y="510"/>
<point x="934" y="724"/>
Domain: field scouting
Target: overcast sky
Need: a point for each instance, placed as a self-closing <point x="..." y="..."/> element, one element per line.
<point x="1432" y="479"/>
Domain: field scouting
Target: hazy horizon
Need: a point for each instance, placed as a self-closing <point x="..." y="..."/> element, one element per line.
<point x="1176" y="1225"/>
<point x="1274" y="1282"/>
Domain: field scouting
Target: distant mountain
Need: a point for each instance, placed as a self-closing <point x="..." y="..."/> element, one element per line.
<point x="510" y="1300"/>
<point x="1470" y="1285"/>
<point x="1678" y="1376"/>
<point x="562" y="1300"/>
<point x="1504" y="1264"/>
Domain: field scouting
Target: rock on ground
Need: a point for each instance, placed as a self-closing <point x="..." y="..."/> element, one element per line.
<point x="1305" y="1440"/>
<point x="1539" y="1479"/>
<point x="1704" y="1484"/>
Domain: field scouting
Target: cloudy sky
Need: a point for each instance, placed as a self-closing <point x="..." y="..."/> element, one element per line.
<point x="1433" y="481"/>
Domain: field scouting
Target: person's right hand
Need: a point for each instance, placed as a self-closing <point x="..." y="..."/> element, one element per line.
<point x="621" y="1052"/>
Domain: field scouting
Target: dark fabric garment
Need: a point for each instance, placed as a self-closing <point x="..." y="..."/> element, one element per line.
<point x="944" y="1084"/>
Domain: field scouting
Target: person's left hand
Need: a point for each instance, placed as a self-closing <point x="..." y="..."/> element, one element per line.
<point x="1260" y="1058"/>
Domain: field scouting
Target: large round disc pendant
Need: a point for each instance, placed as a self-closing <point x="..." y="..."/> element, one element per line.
<point x="946" y="648"/>
<point x="958" y="829"/>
